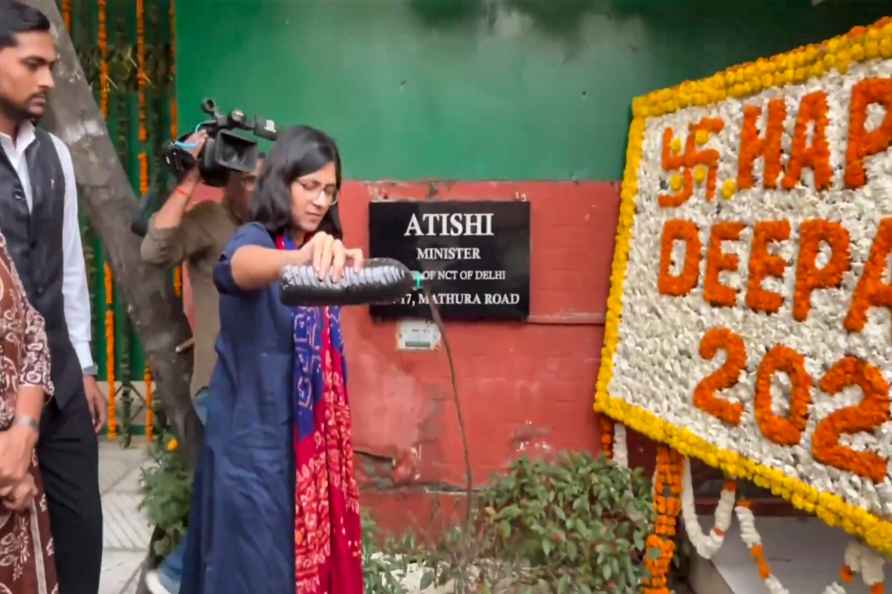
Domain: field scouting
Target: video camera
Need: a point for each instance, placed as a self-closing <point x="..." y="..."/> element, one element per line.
<point x="224" y="151"/>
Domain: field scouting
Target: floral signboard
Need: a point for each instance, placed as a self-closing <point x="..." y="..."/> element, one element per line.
<point x="750" y="315"/>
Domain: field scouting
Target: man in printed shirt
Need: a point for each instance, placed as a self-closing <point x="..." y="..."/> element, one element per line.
<point x="196" y="238"/>
<point x="38" y="216"/>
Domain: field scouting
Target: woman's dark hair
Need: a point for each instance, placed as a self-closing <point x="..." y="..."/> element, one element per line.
<point x="16" y="18"/>
<point x="298" y="151"/>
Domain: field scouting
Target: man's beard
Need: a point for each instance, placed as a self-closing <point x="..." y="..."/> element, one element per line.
<point x="17" y="113"/>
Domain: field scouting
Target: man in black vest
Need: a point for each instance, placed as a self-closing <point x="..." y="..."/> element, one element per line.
<point x="38" y="216"/>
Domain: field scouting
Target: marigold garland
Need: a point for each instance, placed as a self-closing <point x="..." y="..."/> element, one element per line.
<point x="174" y="119"/>
<point x="729" y="188"/>
<point x="858" y="559"/>
<point x="861" y="142"/>
<point x="783" y="430"/>
<point x="102" y="42"/>
<point x="706" y="157"/>
<point x="808" y="277"/>
<point x="671" y="161"/>
<point x="178" y="281"/>
<point x="871" y="290"/>
<point x="751" y="78"/>
<point x="762" y="264"/>
<point x="768" y="146"/>
<point x="702" y="162"/>
<point x="831" y="508"/>
<point x="718" y="261"/>
<point x="845" y="574"/>
<point x="110" y="350"/>
<point x="605" y="424"/>
<point x="66" y="13"/>
<point x="872" y="412"/>
<point x="667" y="490"/>
<point x="150" y="412"/>
<point x="706" y="545"/>
<point x="143" y="173"/>
<point x="812" y="110"/>
<point x="754" y="543"/>
<point x="714" y="340"/>
<point x="141" y="77"/>
<point x="686" y="231"/>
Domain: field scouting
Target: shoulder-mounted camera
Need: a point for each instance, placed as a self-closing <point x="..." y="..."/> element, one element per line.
<point x="225" y="150"/>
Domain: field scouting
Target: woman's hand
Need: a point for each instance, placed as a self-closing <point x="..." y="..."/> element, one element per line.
<point x="329" y="256"/>
<point x="18" y="497"/>
<point x="16" y="447"/>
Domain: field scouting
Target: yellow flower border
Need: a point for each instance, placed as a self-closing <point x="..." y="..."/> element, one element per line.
<point x="796" y="66"/>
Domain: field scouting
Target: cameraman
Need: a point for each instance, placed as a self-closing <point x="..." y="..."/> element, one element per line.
<point x="196" y="238"/>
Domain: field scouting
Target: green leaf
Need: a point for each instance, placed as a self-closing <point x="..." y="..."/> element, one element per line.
<point x="563" y="584"/>
<point x="510" y="512"/>
<point x="572" y="551"/>
<point x="505" y="529"/>
<point x="427" y="580"/>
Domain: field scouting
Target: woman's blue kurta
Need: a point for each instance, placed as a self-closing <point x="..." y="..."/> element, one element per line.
<point x="241" y="527"/>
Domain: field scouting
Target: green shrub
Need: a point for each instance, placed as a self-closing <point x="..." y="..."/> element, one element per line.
<point x="578" y="524"/>
<point x="167" y="494"/>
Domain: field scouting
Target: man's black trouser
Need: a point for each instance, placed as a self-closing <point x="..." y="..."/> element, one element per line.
<point x="68" y="454"/>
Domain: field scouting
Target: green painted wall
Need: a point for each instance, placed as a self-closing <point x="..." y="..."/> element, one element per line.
<point x="476" y="89"/>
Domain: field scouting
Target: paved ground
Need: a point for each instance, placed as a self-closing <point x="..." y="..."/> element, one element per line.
<point x="126" y="531"/>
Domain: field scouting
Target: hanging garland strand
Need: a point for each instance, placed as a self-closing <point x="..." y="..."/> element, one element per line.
<point x="66" y="14"/>
<point x="106" y="269"/>
<point x="620" y="445"/>
<point x="858" y="559"/>
<point x="150" y="412"/>
<point x="606" y="426"/>
<point x="667" y="489"/>
<point x="141" y="81"/>
<point x="706" y="545"/>
<point x="103" y="59"/>
<point x="110" y="351"/>
<point x="178" y="271"/>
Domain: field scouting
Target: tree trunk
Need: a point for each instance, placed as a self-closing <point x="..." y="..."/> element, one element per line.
<point x="156" y="313"/>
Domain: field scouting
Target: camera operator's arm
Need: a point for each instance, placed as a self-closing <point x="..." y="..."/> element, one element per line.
<point x="166" y="242"/>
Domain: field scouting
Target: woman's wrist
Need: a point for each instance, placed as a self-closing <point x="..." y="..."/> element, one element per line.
<point x="300" y="256"/>
<point x="28" y="423"/>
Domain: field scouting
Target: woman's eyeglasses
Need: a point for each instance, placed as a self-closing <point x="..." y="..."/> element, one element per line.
<point x="314" y="187"/>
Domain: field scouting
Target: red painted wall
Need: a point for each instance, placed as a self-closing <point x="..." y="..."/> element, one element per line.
<point x="525" y="388"/>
